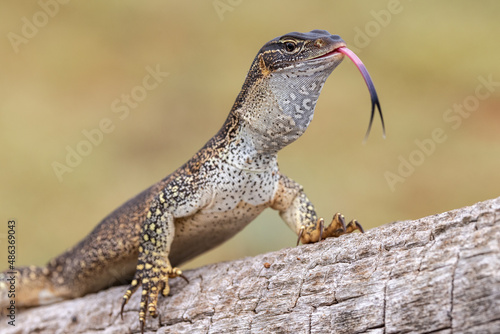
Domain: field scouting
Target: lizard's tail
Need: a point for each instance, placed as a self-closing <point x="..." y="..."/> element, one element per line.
<point x="28" y="286"/>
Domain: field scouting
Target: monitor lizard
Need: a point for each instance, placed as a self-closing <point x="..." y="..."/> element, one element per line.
<point x="214" y="195"/>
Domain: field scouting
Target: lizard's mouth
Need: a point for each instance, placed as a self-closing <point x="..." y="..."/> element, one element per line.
<point x="334" y="52"/>
<point x="366" y="76"/>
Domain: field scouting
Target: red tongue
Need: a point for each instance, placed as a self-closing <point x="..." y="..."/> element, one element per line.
<point x="371" y="88"/>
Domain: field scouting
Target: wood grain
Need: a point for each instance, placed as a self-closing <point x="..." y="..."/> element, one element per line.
<point x="438" y="274"/>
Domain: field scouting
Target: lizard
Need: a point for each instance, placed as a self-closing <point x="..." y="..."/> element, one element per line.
<point x="214" y="195"/>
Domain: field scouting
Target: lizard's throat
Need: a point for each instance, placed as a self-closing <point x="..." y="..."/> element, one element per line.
<point x="285" y="107"/>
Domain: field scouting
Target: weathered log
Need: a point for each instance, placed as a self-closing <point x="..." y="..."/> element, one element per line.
<point x="438" y="274"/>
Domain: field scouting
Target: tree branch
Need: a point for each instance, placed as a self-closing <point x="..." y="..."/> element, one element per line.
<point x="437" y="274"/>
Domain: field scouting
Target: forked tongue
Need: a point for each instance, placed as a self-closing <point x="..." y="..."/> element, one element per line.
<point x="371" y="88"/>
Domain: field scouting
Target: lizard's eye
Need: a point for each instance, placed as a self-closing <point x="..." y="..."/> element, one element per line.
<point x="290" y="46"/>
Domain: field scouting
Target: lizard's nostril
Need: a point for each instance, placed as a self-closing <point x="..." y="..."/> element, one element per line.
<point x="336" y="38"/>
<point x="319" y="43"/>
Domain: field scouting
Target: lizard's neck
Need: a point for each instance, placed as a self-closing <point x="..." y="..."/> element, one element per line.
<point x="235" y="147"/>
<point x="272" y="110"/>
<point x="278" y="107"/>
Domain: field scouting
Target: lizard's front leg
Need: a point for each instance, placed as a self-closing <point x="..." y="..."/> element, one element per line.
<point x="153" y="266"/>
<point x="299" y="214"/>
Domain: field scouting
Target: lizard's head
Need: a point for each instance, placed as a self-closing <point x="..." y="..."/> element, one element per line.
<point x="283" y="85"/>
<point x="301" y="51"/>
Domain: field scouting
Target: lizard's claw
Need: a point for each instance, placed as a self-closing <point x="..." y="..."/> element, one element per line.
<point x="131" y="289"/>
<point x="317" y="232"/>
<point x="181" y="275"/>
<point x="153" y="279"/>
<point x="338" y="227"/>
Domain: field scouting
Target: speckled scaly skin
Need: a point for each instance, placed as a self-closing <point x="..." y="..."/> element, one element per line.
<point x="221" y="189"/>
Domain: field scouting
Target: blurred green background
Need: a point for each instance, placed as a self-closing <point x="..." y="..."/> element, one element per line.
<point x="424" y="57"/>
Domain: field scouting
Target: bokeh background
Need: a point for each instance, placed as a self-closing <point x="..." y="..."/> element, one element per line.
<point x="424" y="58"/>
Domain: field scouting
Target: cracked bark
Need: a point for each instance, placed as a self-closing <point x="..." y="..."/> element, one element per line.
<point x="438" y="274"/>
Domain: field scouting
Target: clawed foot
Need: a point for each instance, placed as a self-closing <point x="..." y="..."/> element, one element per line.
<point x="336" y="228"/>
<point x="153" y="280"/>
